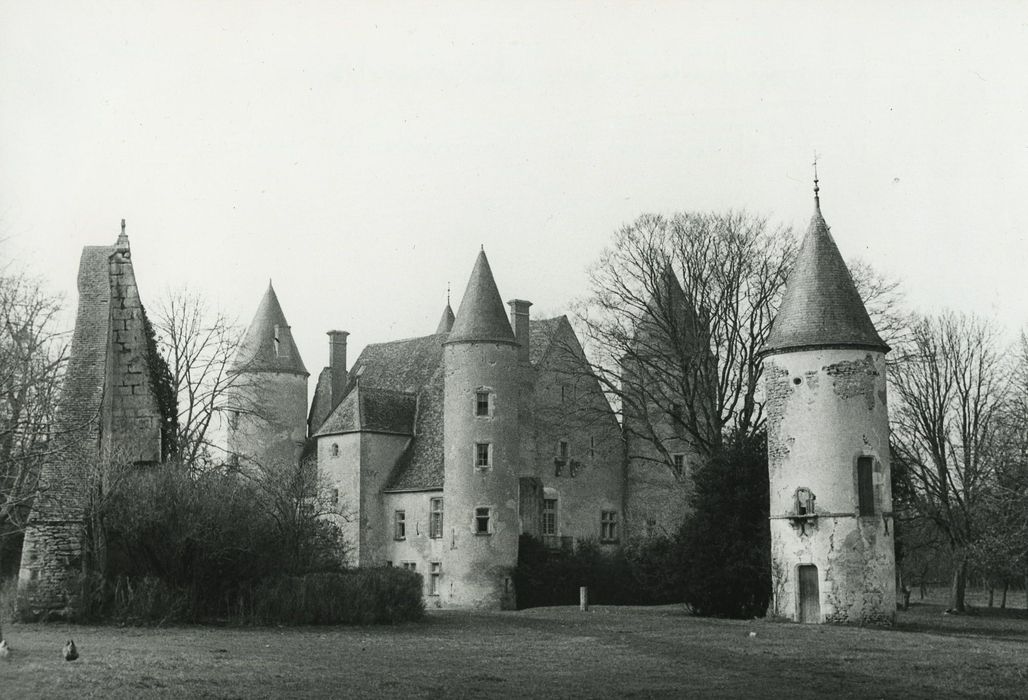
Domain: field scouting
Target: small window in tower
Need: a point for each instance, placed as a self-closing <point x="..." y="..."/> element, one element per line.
<point x="409" y="565"/>
<point x="483" y="455"/>
<point x="549" y="516"/>
<point x="563" y="393"/>
<point x="335" y="449"/>
<point x="563" y="450"/>
<point x="482" y="403"/>
<point x="399" y="525"/>
<point x="592" y="448"/>
<point x="436" y="571"/>
<point x="335" y="497"/>
<point x="483" y="520"/>
<point x="676" y="412"/>
<point x="609" y="526"/>
<point x="678" y="464"/>
<point x="435" y="518"/>
<point x="276" y="341"/>
<point x="865" y="485"/>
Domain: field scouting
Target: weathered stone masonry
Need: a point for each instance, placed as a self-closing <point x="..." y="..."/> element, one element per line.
<point x="107" y="411"/>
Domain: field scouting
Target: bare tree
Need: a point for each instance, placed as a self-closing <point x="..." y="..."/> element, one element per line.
<point x="198" y="344"/>
<point x="677" y="311"/>
<point x="32" y="355"/>
<point x="949" y="390"/>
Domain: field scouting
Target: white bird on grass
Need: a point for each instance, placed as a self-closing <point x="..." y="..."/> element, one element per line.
<point x="5" y="651"/>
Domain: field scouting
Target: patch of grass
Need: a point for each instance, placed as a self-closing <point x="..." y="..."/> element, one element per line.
<point x="560" y="652"/>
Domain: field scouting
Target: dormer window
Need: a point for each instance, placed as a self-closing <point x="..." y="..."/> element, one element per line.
<point x="276" y="341"/>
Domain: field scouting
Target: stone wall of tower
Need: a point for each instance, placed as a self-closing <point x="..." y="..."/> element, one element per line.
<point x="107" y="411"/>
<point x="477" y="567"/>
<point x="826" y="409"/>
<point x="268" y="419"/>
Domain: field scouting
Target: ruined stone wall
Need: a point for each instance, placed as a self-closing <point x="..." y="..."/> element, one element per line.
<point x="826" y="409"/>
<point x="107" y="410"/>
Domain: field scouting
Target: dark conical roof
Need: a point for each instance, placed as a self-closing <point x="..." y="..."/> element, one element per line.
<point x="268" y="344"/>
<point x="446" y="322"/>
<point x="481" y="316"/>
<point x="821" y="306"/>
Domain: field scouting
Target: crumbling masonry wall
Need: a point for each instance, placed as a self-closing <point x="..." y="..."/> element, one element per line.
<point x="107" y="410"/>
<point x="826" y="408"/>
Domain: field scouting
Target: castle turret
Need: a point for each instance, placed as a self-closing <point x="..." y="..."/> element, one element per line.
<point x="480" y="443"/>
<point x="446" y="321"/>
<point x="268" y="422"/>
<point x="828" y="446"/>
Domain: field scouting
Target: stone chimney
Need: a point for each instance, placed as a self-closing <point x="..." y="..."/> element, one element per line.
<point x="337" y="363"/>
<point x="519" y="322"/>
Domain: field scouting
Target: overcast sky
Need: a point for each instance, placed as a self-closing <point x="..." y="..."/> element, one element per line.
<point x="359" y="153"/>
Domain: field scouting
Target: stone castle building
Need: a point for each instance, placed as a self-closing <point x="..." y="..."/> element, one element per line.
<point x="832" y="528"/>
<point x="443" y="449"/>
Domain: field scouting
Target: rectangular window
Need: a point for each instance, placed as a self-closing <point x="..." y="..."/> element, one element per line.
<point x="435" y="518"/>
<point x="435" y="569"/>
<point x="482" y="517"/>
<point x="335" y="497"/>
<point x="399" y="525"/>
<point x="563" y="450"/>
<point x="409" y="565"/>
<point x="609" y="526"/>
<point x="483" y="455"/>
<point x="549" y="516"/>
<point x="679" y="464"/>
<point x="482" y="403"/>
<point x="865" y="485"/>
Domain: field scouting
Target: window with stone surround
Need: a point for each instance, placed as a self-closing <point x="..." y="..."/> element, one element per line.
<point x="678" y="463"/>
<point x="549" y="516"/>
<point x="399" y="525"/>
<point x="435" y="518"/>
<point x="435" y="569"/>
<point x="483" y="403"/>
<point x="483" y="520"/>
<point x="608" y="526"/>
<point x="483" y="455"/>
<point x="865" y="485"/>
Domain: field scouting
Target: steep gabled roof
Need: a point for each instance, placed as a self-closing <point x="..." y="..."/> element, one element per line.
<point x="268" y="344"/>
<point x="481" y="316"/>
<point x="372" y="410"/>
<point x="821" y="306"/>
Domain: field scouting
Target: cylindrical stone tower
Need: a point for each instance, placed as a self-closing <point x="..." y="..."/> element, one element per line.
<point x="832" y="549"/>
<point x="480" y="443"/>
<point x="268" y="402"/>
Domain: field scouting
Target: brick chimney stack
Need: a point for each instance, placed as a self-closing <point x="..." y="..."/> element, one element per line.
<point x="519" y="322"/>
<point x="337" y="363"/>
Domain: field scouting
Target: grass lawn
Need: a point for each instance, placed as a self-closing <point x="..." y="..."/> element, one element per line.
<point x="552" y="652"/>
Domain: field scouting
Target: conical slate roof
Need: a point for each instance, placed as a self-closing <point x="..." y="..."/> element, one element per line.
<point x="268" y="344"/>
<point x="446" y="322"/>
<point x="821" y="306"/>
<point x="481" y="316"/>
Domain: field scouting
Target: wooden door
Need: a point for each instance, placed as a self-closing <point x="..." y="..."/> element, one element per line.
<point x="810" y="599"/>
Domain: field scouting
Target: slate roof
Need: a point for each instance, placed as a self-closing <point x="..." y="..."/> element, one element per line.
<point x="397" y="387"/>
<point x="257" y="351"/>
<point x="821" y="306"/>
<point x="481" y="316"/>
<point x="374" y="410"/>
<point x="446" y="322"/>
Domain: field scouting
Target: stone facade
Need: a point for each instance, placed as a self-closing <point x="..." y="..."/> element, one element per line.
<point x="107" y="411"/>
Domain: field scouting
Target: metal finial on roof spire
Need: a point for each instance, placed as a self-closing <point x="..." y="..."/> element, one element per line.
<point x="817" y="189"/>
<point x="123" y="237"/>
<point x="447" y="293"/>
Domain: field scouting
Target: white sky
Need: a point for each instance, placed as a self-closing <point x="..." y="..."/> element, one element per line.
<point x="359" y="153"/>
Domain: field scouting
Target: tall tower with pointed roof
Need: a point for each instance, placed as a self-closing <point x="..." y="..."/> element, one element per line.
<point x="481" y="447"/>
<point x="832" y="547"/>
<point x="268" y="420"/>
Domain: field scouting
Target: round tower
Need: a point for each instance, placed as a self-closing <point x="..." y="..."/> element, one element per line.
<point x="480" y="443"/>
<point x="268" y="396"/>
<point x="832" y="551"/>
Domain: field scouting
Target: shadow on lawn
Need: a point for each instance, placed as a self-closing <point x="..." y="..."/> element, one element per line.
<point x="988" y="623"/>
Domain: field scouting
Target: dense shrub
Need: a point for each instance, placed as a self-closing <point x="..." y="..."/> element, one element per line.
<point x="634" y="575"/>
<point x="726" y="541"/>
<point x="361" y="596"/>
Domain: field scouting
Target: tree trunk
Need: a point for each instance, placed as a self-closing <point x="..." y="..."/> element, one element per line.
<point x="959" y="586"/>
<point x="1003" y="600"/>
<point x="992" y="595"/>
